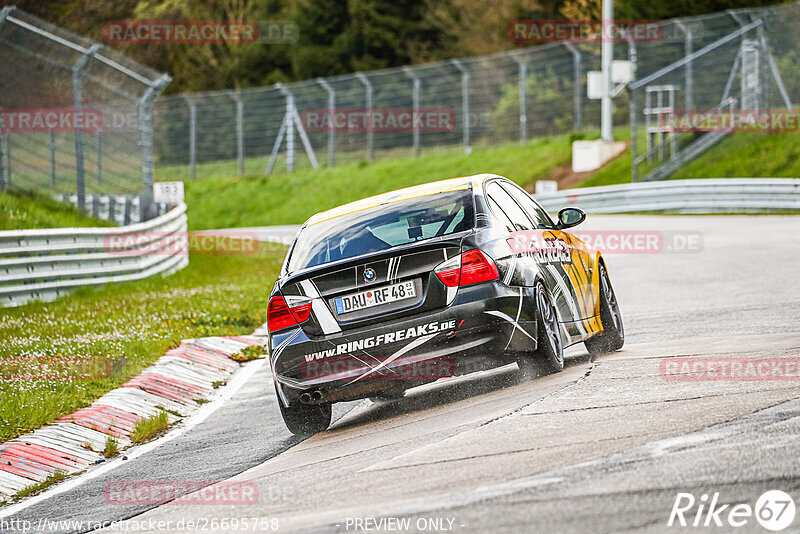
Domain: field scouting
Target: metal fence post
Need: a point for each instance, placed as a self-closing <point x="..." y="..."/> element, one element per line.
<point x="688" y="48"/>
<point x="633" y="57"/>
<point x="414" y="107"/>
<point x="2" y="170"/>
<point x="8" y="159"/>
<point x="77" y="93"/>
<point x="99" y="170"/>
<point x="146" y="207"/>
<point x="52" y="159"/>
<point x="290" y="127"/>
<point x="523" y="112"/>
<point x="3" y="15"/>
<point x="331" y="126"/>
<point x="776" y="74"/>
<point x="577" y="82"/>
<point x="368" y="101"/>
<point x="239" y="130"/>
<point x="464" y="103"/>
<point x="192" y="136"/>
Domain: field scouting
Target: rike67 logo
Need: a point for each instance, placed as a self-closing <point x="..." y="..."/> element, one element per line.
<point x="774" y="510"/>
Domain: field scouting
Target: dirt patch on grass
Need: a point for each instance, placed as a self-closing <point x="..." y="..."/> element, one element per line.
<point x="566" y="178"/>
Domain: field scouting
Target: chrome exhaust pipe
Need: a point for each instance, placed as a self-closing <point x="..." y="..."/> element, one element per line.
<point x="316" y="395"/>
<point x="305" y="397"/>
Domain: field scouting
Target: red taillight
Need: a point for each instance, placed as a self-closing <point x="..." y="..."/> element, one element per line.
<point x="475" y="267"/>
<point x="280" y="315"/>
<point x="449" y="272"/>
<point x="301" y="313"/>
<point x="471" y="267"/>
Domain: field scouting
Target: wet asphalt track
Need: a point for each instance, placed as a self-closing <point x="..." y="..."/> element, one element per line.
<point x="604" y="446"/>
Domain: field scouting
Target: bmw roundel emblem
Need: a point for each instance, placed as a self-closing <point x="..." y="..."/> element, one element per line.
<point x="369" y="274"/>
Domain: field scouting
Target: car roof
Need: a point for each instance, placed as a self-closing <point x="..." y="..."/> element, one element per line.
<point x="430" y="188"/>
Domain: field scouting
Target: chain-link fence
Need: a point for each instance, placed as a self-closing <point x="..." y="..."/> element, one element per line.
<point x="76" y="116"/>
<point x="720" y="74"/>
<point x="480" y="100"/>
<point x="504" y="97"/>
<point x="738" y="60"/>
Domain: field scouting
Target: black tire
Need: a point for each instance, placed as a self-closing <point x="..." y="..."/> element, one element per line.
<point x="549" y="355"/>
<point x="306" y="419"/>
<point x="613" y="335"/>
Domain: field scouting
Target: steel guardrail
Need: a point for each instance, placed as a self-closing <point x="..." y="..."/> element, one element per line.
<point x="706" y="195"/>
<point x="45" y="264"/>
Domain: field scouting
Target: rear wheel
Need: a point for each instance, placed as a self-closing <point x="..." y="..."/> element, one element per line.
<point x="613" y="335"/>
<point x="549" y="355"/>
<point x="306" y="419"/>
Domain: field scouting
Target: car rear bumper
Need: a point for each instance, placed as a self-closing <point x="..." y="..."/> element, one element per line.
<point x="485" y="322"/>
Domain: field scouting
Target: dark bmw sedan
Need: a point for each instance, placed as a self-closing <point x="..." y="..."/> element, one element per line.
<point x="429" y="282"/>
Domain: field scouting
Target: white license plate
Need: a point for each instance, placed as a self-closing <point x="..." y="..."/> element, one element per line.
<point x="374" y="297"/>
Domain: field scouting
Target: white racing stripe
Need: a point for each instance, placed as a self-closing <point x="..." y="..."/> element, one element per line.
<point x="324" y="316"/>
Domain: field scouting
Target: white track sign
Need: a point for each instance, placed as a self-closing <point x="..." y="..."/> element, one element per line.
<point x="169" y="192"/>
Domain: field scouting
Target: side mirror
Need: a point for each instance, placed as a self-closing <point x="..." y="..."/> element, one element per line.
<point x="569" y="217"/>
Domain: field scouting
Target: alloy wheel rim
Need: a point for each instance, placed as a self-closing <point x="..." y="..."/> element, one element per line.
<point x="611" y="300"/>
<point x="550" y="324"/>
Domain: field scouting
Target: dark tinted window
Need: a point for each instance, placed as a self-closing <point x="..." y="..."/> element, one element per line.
<point x="536" y="213"/>
<point x="501" y="197"/>
<point x="383" y="227"/>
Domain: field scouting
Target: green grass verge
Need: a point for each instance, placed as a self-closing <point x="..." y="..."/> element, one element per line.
<point x="112" y="447"/>
<point x="748" y="154"/>
<point x="33" y="489"/>
<point x="147" y="429"/>
<point x="224" y="201"/>
<point x="21" y="209"/>
<point x="740" y="155"/>
<point x="131" y="325"/>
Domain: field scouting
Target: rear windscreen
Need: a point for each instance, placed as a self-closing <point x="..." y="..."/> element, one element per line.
<point x="383" y="227"/>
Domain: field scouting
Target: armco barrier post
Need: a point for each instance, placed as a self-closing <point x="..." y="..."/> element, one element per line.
<point x="77" y="94"/>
